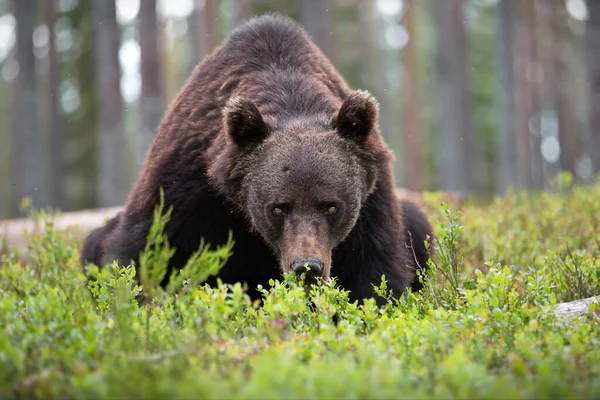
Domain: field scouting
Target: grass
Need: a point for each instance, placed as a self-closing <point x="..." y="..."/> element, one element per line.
<point x="482" y="327"/>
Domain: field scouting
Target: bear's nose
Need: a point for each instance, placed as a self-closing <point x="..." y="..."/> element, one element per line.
<point x="315" y="267"/>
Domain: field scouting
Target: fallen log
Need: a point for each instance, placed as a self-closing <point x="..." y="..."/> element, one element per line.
<point x="13" y="232"/>
<point x="577" y="308"/>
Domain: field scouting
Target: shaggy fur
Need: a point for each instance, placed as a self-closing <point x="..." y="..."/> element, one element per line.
<point x="268" y="141"/>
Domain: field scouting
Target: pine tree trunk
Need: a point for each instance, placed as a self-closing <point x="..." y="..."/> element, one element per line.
<point x="527" y="105"/>
<point x="152" y="99"/>
<point x="5" y="147"/>
<point x="593" y="57"/>
<point x="412" y="106"/>
<point x="242" y="11"/>
<point x="56" y="126"/>
<point x="567" y="131"/>
<point x="506" y="170"/>
<point x="210" y="34"/>
<point x="459" y="166"/>
<point x="29" y="172"/>
<point x="317" y="19"/>
<point x="113" y="178"/>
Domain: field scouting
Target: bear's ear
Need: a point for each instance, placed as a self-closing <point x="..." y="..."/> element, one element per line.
<point x="357" y="116"/>
<point x="244" y="123"/>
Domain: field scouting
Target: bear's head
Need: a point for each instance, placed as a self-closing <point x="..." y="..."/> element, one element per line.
<point x="302" y="184"/>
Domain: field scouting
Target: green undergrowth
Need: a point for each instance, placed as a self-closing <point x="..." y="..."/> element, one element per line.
<point x="482" y="327"/>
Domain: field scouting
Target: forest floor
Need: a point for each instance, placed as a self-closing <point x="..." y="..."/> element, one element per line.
<point x="485" y="325"/>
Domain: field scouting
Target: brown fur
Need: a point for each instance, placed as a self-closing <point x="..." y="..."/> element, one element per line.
<point x="266" y="122"/>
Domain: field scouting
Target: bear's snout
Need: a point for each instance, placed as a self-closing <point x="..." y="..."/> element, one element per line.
<point x="305" y="243"/>
<point x="315" y="267"/>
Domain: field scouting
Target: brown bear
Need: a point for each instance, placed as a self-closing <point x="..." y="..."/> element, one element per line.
<point x="266" y="140"/>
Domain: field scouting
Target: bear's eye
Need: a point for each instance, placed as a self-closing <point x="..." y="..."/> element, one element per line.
<point x="330" y="208"/>
<point x="280" y="209"/>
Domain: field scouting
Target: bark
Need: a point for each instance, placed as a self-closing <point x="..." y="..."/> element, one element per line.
<point x="457" y="150"/>
<point x="593" y="58"/>
<point x="568" y="134"/>
<point x="195" y="25"/>
<point x="5" y="144"/>
<point x="81" y="129"/>
<point x="29" y="172"/>
<point x="546" y="88"/>
<point x="528" y="144"/>
<point x="203" y="35"/>
<point x="531" y="17"/>
<point x="209" y="28"/>
<point x="56" y="126"/>
<point x="317" y="18"/>
<point x="577" y="308"/>
<point x="152" y="100"/>
<point x="113" y="179"/>
<point x="242" y="11"/>
<point x="366" y="46"/>
<point x="412" y="104"/>
<point x="372" y="63"/>
<point x="505" y="82"/>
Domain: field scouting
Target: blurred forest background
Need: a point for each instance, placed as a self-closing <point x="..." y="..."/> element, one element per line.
<point x="476" y="95"/>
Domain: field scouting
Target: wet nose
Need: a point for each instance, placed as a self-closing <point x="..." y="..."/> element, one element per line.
<point x="315" y="267"/>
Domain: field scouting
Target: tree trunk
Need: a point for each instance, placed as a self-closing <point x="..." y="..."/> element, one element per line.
<point x="527" y="105"/>
<point x="347" y="34"/>
<point x="593" y="56"/>
<point x="577" y="308"/>
<point x="506" y="146"/>
<point x="567" y="132"/>
<point x="152" y="100"/>
<point x="56" y="127"/>
<point x="4" y="153"/>
<point x="317" y="19"/>
<point x="531" y="18"/>
<point x="29" y="172"/>
<point x="459" y="164"/>
<point x="81" y="179"/>
<point x="113" y="179"/>
<point x="6" y="91"/>
<point x="412" y="106"/>
<point x="367" y="46"/>
<point x="195" y="35"/>
<point x="209" y="28"/>
<point x="242" y="11"/>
